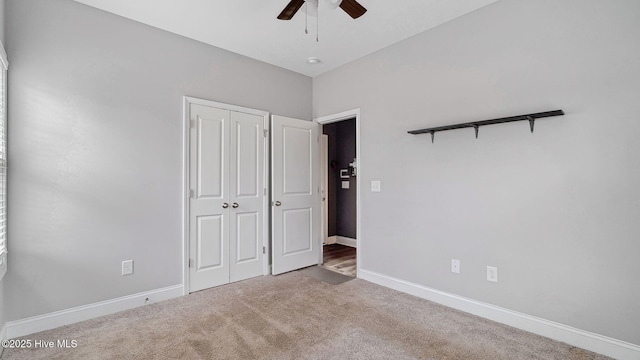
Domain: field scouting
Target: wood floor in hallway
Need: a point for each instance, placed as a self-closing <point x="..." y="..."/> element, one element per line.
<point x="340" y="258"/>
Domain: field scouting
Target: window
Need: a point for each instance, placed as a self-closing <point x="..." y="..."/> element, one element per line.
<point x="3" y="161"/>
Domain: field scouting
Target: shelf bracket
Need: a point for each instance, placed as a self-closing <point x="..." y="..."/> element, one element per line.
<point x="532" y="122"/>
<point x="476" y="128"/>
<point x="433" y="135"/>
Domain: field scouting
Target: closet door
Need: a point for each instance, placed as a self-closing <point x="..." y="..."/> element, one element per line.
<point x="227" y="197"/>
<point x="246" y="189"/>
<point x="209" y="203"/>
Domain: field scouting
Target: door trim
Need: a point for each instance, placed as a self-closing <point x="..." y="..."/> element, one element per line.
<point x="346" y="115"/>
<point x="186" y="124"/>
<point x="324" y="186"/>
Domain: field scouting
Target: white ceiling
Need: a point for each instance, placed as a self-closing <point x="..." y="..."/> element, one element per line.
<point x="250" y="27"/>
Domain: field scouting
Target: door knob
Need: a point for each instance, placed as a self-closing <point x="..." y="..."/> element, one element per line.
<point x="225" y="205"/>
<point x="235" y="205"/>
<point x="278" y="203"/>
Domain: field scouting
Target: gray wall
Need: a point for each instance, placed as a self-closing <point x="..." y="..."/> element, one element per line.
<point x="96" y="148"/>
<point x="342" y="202"/>
<point x="556" y="211"/>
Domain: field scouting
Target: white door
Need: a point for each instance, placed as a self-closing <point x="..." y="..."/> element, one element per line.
<point x="246" y="189"/>
<point x="208" y="205"/>
<point x="295" y="157"/>
<point x="227" y="193"/>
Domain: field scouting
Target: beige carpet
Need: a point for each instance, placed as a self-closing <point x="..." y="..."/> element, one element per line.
<point x="294" y="316"/>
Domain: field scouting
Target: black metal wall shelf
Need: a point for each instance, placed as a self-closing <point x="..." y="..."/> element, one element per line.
<point x="476" y="124"/>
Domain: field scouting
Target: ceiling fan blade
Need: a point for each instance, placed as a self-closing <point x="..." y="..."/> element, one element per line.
<point x="291" y="9"/>
<point x="353" y="8"/>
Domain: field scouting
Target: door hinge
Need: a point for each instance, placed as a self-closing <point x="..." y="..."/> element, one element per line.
<point x="264" y="249"/>
<point x="190" y="263"/>
<point x="265" y="132"/>
<point x="265" y="192"/>
<point x="192" y="124"/>
<point x="191" y="194"/>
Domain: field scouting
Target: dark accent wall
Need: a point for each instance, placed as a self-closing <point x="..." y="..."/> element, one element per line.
<point x="342" y="202"/>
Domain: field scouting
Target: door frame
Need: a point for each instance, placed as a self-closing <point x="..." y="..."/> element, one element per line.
<point x="186" y="142"/>
<point x="346" y="115"/>
<point x="324" y="187"/>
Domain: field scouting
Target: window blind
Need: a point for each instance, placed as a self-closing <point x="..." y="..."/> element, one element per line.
<point x="3" y="161"/>
<point x="3" y="166"/>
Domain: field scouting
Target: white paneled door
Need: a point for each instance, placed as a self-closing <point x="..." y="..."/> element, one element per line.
<point x="226" y="203"/>
<point x="246" y="189"/>
<point x="295" y="157"/>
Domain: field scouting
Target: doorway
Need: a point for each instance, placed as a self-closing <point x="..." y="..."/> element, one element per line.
<point x="340" y="193"/>
<point x="301" y="238"/>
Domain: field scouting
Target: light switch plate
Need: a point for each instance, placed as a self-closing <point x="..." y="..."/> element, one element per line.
<point x="345" y="184"/>
<point x="492" y="274"/>
<point x="127" y="267"/>
<point x="375" y="186"/>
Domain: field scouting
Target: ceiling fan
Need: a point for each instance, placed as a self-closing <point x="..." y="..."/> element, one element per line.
<point x="351" y="7"/>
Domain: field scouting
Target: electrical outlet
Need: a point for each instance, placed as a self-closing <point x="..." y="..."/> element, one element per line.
<point x="492" y="274"/>
<point x="127" y="267"/>
<point x="455" y="266"/>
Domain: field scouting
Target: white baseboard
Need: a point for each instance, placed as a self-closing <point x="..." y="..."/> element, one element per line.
<point x="587" y="340"/>
<point x="56" y="319"/>
<point x="343" y="240"/>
